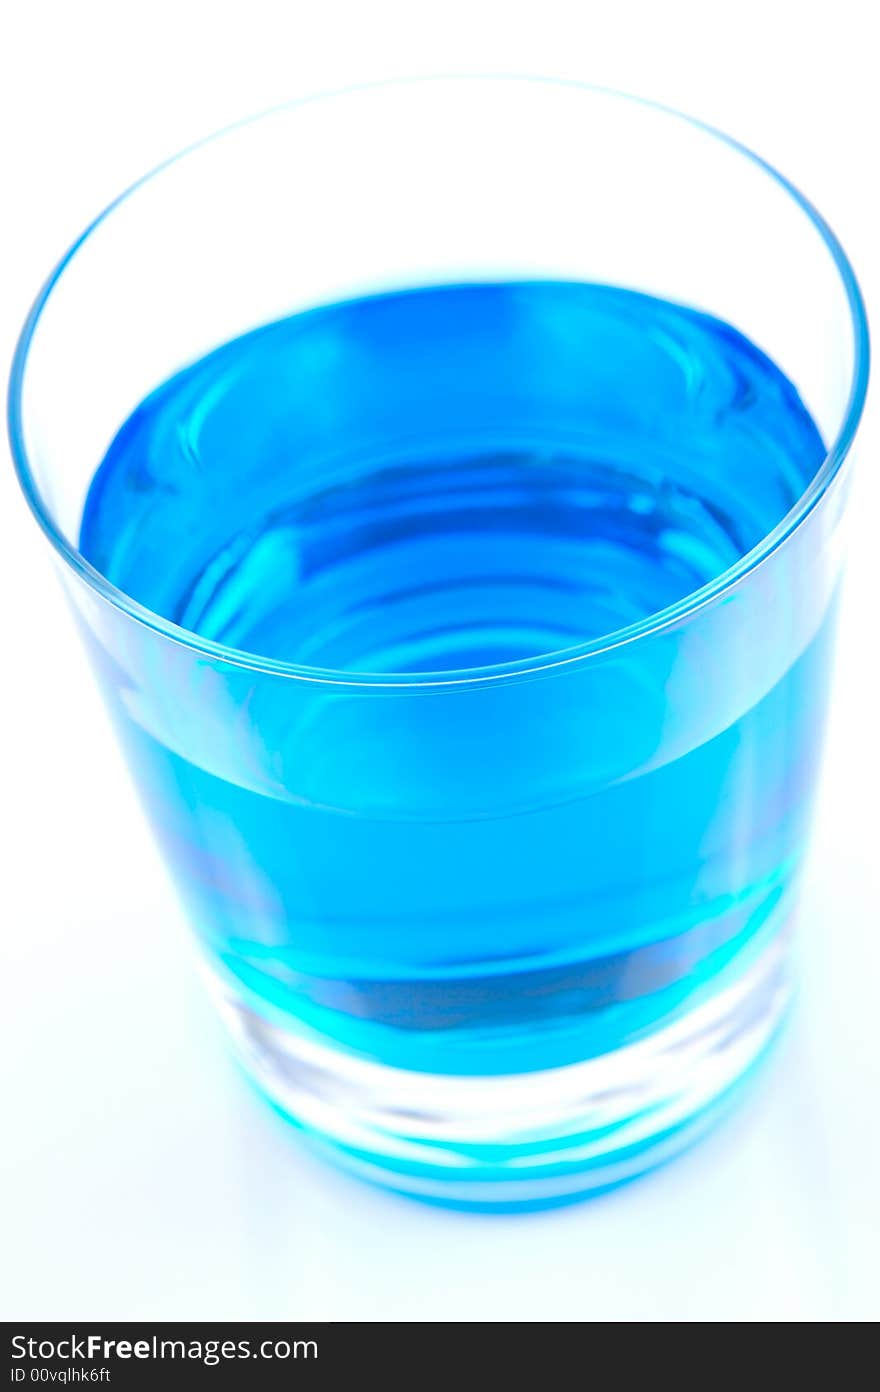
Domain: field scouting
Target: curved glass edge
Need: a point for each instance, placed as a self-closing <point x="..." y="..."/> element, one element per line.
<point x="644" y="628"/>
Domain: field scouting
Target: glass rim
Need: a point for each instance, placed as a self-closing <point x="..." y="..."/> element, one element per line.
<point x="644" y="628"/>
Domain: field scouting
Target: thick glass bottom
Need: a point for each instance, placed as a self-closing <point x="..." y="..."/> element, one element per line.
<point x="526" y="1140"/>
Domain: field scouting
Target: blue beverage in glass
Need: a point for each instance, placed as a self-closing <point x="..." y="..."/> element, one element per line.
<point x="446" y="482"/>
<point x="469" y="643"/>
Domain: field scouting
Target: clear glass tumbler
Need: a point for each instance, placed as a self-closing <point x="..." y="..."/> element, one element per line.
<point x="498" y="916"/>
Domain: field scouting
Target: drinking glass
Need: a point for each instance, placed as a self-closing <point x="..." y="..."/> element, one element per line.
<point x="500" y="933"/>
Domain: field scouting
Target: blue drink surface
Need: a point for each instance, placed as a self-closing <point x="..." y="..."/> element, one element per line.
<point x="437" y="487"/>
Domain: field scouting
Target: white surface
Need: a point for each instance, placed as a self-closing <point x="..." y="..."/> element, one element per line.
<point x="139" y="1176"/>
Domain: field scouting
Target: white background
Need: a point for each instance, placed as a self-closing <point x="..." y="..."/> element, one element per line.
<point x="139" y="1176"/>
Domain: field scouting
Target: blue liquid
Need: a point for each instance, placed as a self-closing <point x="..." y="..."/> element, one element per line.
<point x="441" y="482"/>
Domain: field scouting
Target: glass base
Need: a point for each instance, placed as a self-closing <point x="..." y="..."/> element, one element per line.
<point x="527" y="1140"/>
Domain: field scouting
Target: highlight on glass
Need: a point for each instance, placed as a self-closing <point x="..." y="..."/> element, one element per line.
<point x="448" y="480"/>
